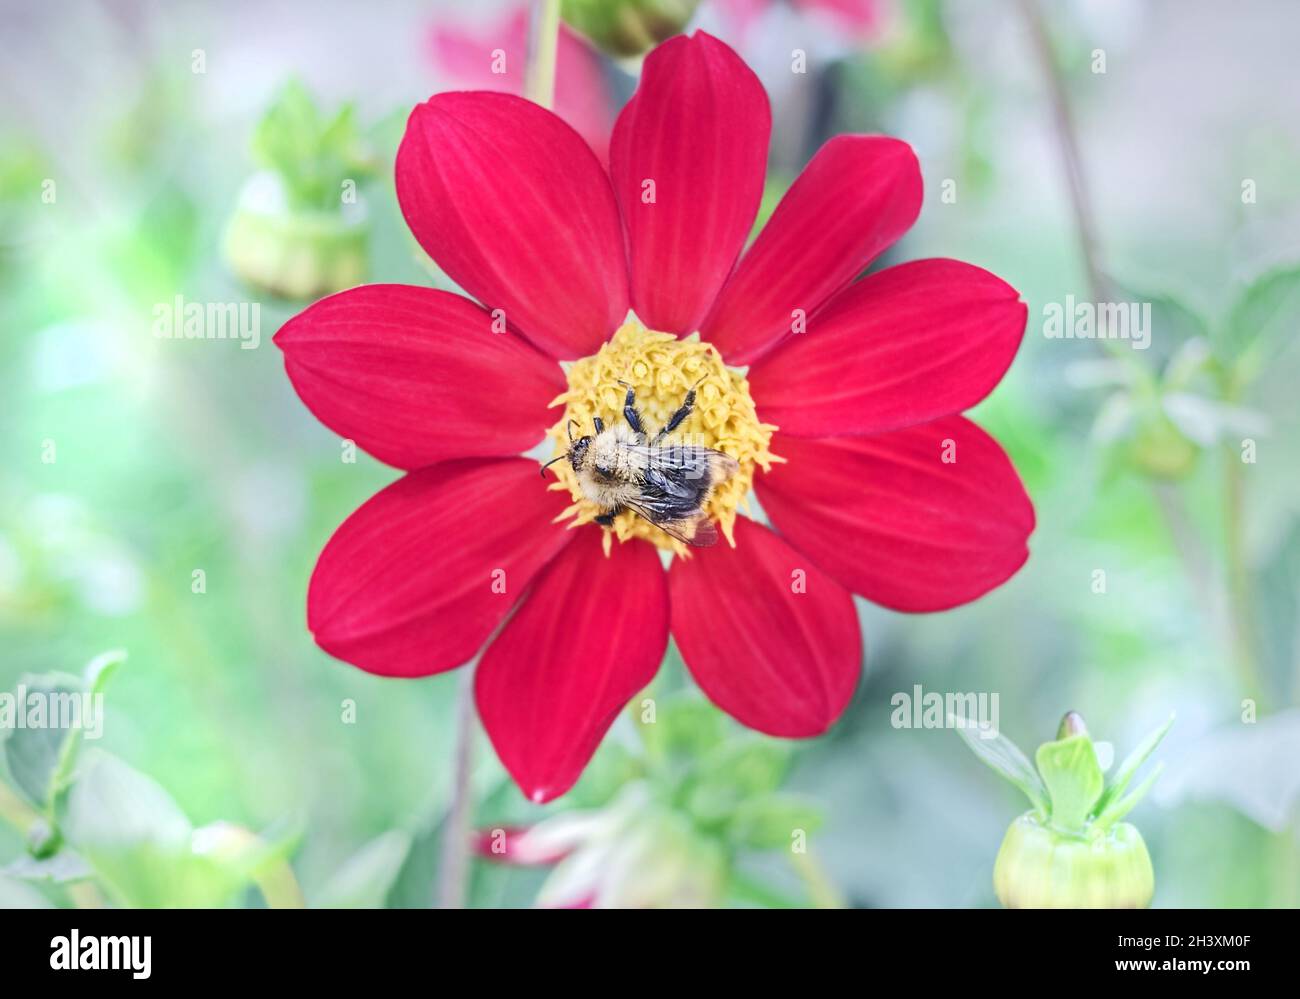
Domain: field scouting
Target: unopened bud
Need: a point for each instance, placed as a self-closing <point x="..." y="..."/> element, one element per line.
<point x="628" y="27"/>
<point x="1040" y="868"/>
<point x="1071" y="724"/>
<point x="292" y="252"/>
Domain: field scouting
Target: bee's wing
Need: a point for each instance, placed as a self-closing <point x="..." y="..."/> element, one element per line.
<point x="696" y="530"/>
<point x="684" y="469"/>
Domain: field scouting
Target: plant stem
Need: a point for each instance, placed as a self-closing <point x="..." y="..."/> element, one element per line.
<point x="1066" y="135"/>
<point x="747" y="889"/>
<point x="1286" y="893"/>
<point x="453" y="870"/>
<point x="543" y="43"/>
<point x="279" y="887"/>
<point x="1239" y="598"/>
<point x="821" y="890"/>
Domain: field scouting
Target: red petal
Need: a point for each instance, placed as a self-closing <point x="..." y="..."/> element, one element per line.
<point x="590" y="635"/>
<point x="698" y="128"/>
<point x="417" y="578"/>
<point x="417" y="376"/>
<point x="859" y="194"/>
<point x="891" y="520"/>
<point x="860" y="19"/>
<point x="902" y="346"/>
<point x="510" y="845"/>
<point x="514" y="206"/>
<point x="769" y="638"/>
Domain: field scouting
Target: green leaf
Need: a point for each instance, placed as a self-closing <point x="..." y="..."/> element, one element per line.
<point x="1119" y="807"/>
<point x="1247" y="767"/>
<point x="138" y="841"/>
<point x="313" y="155"/>
<point x="1174" y="322"/>
<point x="364" y="879"/>
<point x="94" y="679"/>
<point x="64" y="867"/>
<point x="1131" y="763"/>
<point x="100" y="670"/>
<point x="768" y="822"/>
<point x="41" y="755"/>
<point x="684" y="725"/>
<point x="611" y="768"/>
<point x="16" y="895"/>
<point x="733" y="774"/>
<point x="244" y="856"/>
<point x="1262" y="322"/>
<point x="1005" y="757"/>
<point x="1073" y="777"/>
<point x="34" y="752"/>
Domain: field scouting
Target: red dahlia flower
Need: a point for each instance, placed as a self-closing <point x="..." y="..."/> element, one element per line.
<point x="872" y="481"/>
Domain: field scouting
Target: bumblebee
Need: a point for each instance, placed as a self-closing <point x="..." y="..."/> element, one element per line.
<point x="665" y="482"/>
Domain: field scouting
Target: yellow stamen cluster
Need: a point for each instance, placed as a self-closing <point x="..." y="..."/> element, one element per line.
<point x="662" y="369"/>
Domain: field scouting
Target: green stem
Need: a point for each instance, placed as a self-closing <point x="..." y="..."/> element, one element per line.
<point x="1067" y="136"/>
<point x="821" y="890"/>
<point x="453" y="869"/>
<point x="1239" y="597"/>
<point x="279" y="887"/>
<point x="543" y="43"/>
<point x="747" y="889"/>
<point x="1286" y="849"/>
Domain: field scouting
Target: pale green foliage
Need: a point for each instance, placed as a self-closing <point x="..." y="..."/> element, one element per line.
<point x="1069" y="789"/>
<point x="313" y="154"/>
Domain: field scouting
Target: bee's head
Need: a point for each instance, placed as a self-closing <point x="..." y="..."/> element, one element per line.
<point x="578" y="452"/>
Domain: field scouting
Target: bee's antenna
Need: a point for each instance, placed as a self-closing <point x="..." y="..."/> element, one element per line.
<point x="698" y="383"/>
<point x="542" y="471"/>
<point x="569" y="427"/>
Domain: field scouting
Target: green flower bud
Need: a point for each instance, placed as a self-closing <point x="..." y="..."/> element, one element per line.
<point x="295" y="253"/>
<point x="299" y="229"/>
<point x="43" y="840"/>
<point x="1071" y="724"/>
<point x="628" y="27"/>
<point x="1040" y="868"/>
<point x="1071" y="850"/>
<point x="1160" y="450"/>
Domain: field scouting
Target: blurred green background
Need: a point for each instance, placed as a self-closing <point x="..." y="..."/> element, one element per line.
<point x="174" y="455"/>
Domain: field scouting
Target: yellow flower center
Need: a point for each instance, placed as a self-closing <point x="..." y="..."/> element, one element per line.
<point x="661" y="369"/>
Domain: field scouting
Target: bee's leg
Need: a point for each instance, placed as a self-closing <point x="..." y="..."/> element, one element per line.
<point x="629" y="410"/>
<point x="606" y="519"/>
<point x="675" y="421"/>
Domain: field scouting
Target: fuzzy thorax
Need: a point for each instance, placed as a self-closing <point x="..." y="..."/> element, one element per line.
<point x="662" y="369"/>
